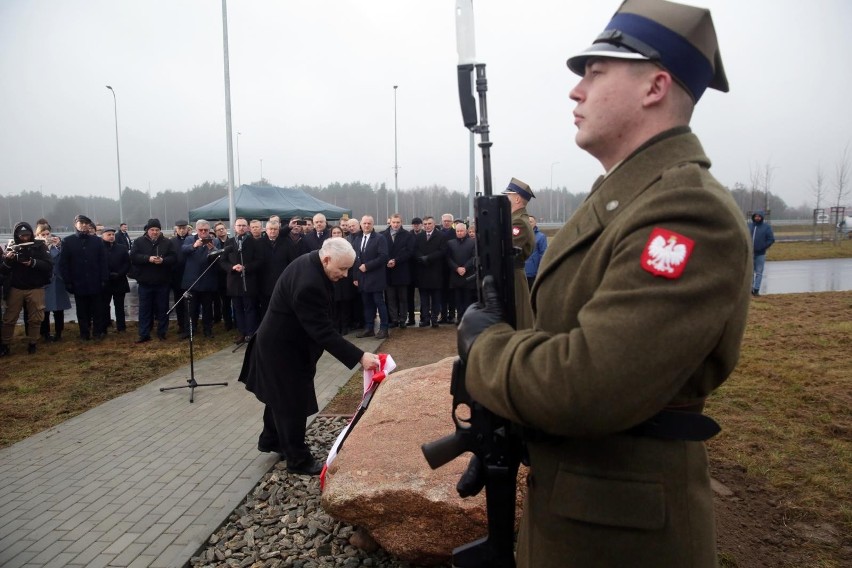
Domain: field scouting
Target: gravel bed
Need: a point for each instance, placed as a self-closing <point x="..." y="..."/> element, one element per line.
<point x="281" y="523"/>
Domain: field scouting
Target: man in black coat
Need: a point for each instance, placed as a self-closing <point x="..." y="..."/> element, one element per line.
<point x="152" y="258"/>
<point x="429" y="255"/>
<point x="461" y="258"/>
<point x="83" y="265"/>
<point x="400" y="249"/>
<point x="276" y="257"/>
<point x="242" y="264"/>
<point x="118" y="264"/>
<point x="280" y="360"/>
<point x="123" y="237"/>
<point x="178" y="240"/>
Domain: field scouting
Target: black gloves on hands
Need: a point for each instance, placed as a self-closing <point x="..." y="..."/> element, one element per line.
<point x="478" y="317"/>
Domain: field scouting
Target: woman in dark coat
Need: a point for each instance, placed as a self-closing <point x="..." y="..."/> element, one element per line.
<point x="344" y="295"/>
<point x="280" y="360"/>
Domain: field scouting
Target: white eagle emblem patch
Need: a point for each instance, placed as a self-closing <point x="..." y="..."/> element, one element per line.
<point x="516" y="231"/>
<point x="666" y="253"/>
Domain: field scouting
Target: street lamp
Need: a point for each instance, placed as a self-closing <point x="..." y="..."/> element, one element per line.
<point x="395" y="164"/>
<point x="239" y="179"/>
<point x="117" y="155"/>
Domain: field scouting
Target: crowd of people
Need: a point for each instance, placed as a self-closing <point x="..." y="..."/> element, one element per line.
<point x="231" y="278"/>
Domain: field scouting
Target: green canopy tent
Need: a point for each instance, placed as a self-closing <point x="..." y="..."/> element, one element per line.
<point x="262" y="201"/>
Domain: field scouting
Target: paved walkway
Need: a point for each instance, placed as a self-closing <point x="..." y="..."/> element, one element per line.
<point x="142" y="480"/>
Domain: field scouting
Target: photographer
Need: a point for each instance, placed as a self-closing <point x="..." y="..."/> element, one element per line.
<point x="28" y="268"/>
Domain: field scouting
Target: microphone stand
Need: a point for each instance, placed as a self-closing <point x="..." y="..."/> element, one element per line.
<point x="191" y="383"/>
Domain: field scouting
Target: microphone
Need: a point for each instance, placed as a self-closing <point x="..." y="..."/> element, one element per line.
<point x="219" y="252"/>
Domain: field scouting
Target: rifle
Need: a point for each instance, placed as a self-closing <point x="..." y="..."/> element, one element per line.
<point x="494" y="441"/>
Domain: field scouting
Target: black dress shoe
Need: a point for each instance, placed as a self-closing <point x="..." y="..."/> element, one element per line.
<point x="382" y="334"/>
<point x="310" y="467"/>
<point x="434" y="324"/>
<point x="424" y="324"/>
<point x="143" y="339"/>
<point x="402" y="325"/>
<point x="366" y="333"/>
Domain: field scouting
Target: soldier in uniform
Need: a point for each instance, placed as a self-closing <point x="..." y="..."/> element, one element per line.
<point x="639" y="305"/>
<point x="523" y="238"/>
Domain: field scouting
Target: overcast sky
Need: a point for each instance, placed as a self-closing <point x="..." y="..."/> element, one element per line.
<point x="312" y="92"/>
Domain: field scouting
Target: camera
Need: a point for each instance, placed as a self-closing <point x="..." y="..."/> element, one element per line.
<point x="207" y="239"/>
<point x="301" y="222"/>
<point x="22" y="252"/>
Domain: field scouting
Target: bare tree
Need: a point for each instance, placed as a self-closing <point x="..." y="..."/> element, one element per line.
<point x="841" y="186"/>
<point x="818" y="187"/>
<point x="841" y="178"/>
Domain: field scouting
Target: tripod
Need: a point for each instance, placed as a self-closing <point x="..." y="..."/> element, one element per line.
<point x="191" y="383"/>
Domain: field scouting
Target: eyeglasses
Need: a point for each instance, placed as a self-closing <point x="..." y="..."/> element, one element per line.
<point x="203" y="230"/>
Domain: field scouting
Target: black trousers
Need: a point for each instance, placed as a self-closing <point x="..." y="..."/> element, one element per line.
<point x="59" y="323"/>
<point x="117" y="300"/>
<point x="182" y="309"/>
<point x="287" y="432"/>
<point x="202" y="302"/>
<point x="90" y="315"/>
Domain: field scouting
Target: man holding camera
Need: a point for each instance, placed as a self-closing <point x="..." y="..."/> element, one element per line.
<point x="28" y="267"/>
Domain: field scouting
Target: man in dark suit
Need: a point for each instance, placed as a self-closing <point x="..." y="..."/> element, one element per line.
<point x="280" y="360"/>
<point x="371" y="259"/>
<point x="320" y="232"/>
<point x="122" y="237"/>
<point x="400" y="249"/>
<point x="430" y="250"/>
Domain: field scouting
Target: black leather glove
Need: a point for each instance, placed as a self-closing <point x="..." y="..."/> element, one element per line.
<point x="472" y="480"/>
<point x="478" y="317"/>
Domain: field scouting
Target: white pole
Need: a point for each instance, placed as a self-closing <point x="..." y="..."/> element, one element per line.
<point x="395" y="164"/>
<point x="117" y="155"/>
<point x="232" y="213"/>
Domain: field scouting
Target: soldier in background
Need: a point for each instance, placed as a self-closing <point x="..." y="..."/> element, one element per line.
<point x="523" y="239"/>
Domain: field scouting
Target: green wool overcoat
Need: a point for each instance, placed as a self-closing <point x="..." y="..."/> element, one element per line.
<point x="523" y="238"/>
<point x="639" y="305"/>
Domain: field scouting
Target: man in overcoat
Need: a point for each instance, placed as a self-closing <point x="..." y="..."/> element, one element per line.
<point x="83" y="264"/>
<point x="370" y="270"/>
<point x="523" y="239"/>
<point x="280" y="360"/>
<point x="640" y="306"/>
<point x="152" y="258"/>
<point x="429" y="255"/>
<point x="118" y="265"/>
<point x="400" y="249"/>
